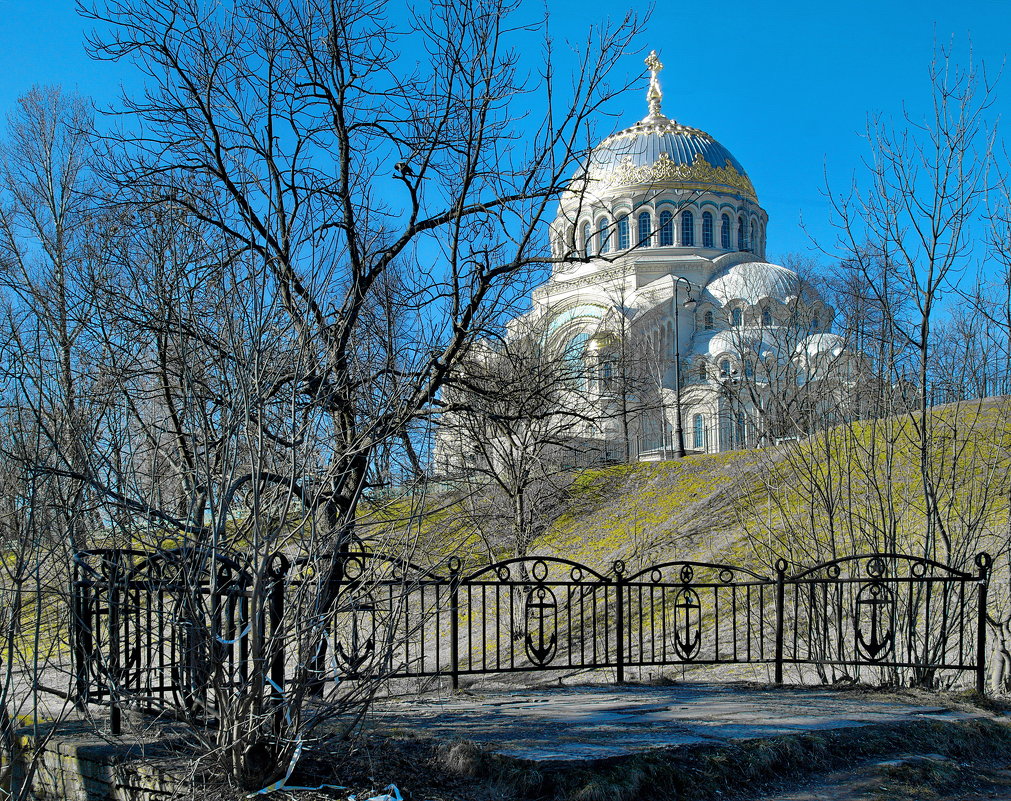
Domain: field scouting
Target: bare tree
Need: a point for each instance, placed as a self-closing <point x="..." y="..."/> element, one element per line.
<point x="908" y="477"/>
<point x="285" y="147"/>
<point x="52" y="242"/>
<point x="303" y="238"/>
<point x="515" y="417"/>
<point x="633" y="358"/>
<point x="928" y="179"/>
<point x="988" y="323"/>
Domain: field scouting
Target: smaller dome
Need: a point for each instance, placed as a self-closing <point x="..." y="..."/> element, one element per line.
<point x="751" y="282"/>
<point x="737" y="342"/>
<point x="818" y="346"/>
<point x="719" y="343"/>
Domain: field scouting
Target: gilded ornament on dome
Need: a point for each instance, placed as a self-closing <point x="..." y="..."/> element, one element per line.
<point x="654" y="96"/>
<point x="603" y="339"/>
<point x="655" y="125"/>
<point x="699" y="174"/>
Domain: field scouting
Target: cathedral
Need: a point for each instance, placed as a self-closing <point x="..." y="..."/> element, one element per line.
<point x="691" y="340"/>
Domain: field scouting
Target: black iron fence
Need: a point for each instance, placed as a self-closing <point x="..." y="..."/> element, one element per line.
<point x="890" y="610"/>
<point x="158" y="628"/>
<point x="153" y="628"/>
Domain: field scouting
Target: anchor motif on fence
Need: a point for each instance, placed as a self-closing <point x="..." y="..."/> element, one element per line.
<point x="874" y="606"/>
<point x="688" y="624"/>
<point x="541" y="609"/>
<point x="362" y="614"/>
<point x="137" y="637"/>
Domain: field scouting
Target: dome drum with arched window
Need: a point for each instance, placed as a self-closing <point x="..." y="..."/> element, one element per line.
<point x="683" y="189"/>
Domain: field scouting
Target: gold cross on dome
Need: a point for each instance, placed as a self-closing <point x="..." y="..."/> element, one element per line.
<point x="654" y="95"/>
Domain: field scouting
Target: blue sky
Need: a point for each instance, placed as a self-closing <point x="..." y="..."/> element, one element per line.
<point x="787" y="86"/>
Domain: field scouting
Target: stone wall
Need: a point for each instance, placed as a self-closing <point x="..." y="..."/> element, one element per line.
<point x="78" y="764"/>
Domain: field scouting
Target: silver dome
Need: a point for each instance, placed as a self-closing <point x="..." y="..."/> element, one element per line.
<point x="751" y="282"/>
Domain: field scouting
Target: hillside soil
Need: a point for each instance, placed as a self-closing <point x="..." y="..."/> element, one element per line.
<point x="426" y="770"/>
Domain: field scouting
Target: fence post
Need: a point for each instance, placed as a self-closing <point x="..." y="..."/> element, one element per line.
<point x="454" y="621"/>
<point x="619" y="622"/>
<point x="277" y="572"/>
<point x="781" y="566"/>
<point x="83" y="648"/>
<point x="114" y="601"/>
<point x="983" y="563"/>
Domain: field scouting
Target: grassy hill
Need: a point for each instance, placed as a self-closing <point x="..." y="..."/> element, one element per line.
<point x="852" y="488"/>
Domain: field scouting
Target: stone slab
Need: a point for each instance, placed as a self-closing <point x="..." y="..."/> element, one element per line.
<point x="591" y="723"/>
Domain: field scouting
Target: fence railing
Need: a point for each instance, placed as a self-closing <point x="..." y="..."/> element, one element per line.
<point x="153" y="628"/>
<point x="157" y="628"/>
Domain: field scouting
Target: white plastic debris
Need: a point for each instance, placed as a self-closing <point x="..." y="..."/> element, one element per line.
<point x="390" y="793"/>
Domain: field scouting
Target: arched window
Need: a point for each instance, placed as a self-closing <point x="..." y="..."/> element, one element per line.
<point x="724" y="368"/>
<point x="707" y="321"/>
<point x="749" y="369"/>
<point x="623" y="232"/>
<point x="687" y="229"/>
<point x="702" y="371"/>
<point x="575" y="348"/>
<point x="815" y="324"/>
<point x="574" y="352"/>
<point x="666" y="229"/>
<point x="586" y="239"/>
<point x="645" y="229"/>
<point x="754" y="234"/>
<point x="735" y="318"/>
<point x="741" y="430"/>
<point x="707" y="229"/>
<point x="766" y="318"/>
<point x="698" y="432"/>
<point x="604" y="235"/>
<point x="741" y="234"/>
<point x="725" y="232"/>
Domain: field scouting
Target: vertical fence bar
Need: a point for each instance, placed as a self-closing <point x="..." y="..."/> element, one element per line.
<point x="276" y="622"/>
<point x="114" y="601"/>
<point x="619" y="622"/>
<point x="983" y="562"/>
<point x="781" y="566"/>
<point x="278" y="572"/>
<point x="454" y="622"/>
<point x="82" y="648"/>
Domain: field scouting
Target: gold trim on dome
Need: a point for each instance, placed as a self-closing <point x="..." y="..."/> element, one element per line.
<point x="655" y="125"/>
<point x="700" y="174"/>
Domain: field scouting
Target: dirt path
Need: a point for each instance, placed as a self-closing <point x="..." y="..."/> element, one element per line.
<point x="924" y="776"/>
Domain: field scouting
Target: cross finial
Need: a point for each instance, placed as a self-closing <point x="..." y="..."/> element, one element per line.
<point x="654" y="95"/>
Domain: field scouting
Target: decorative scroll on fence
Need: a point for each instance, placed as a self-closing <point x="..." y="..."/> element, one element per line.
<point x="172" y="628"/>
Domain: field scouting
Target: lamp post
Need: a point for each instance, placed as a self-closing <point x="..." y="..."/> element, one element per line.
<point x="689" y="304"/>
<point x="728" y="388"/>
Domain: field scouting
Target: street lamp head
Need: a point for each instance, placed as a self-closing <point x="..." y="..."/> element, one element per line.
<point x="690" y="303"/>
